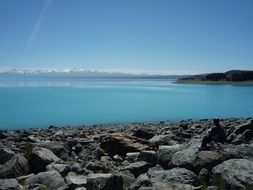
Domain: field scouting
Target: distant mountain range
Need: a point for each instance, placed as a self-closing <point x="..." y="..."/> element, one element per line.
<point x="229" y="76"/>
<point x="76" y="74"/>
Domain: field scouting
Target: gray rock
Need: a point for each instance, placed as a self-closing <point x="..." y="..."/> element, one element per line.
<point x="184" y="158"/>
<point x="132" y="156"/>
<point x="234" y="174"/>
<point x="74" y="180"/>
<point x="159" y="140"/>
<point x="60" y="149"/>
<point x="103" y="181"/>
<point x="148" y="156"/>
<point x="128" y="179"/>
<point x="175" y="175"/>
<point x="173" y="186"/>
<point x="16" y="166"/>
<point x="63" y="169"/>
<point x="165" y="154"/>
<point x="138" y="168"/>
<point x="5" y="155"/>
<point x="142" y="181"/>
<point x="208" y="159"/>
<point x="9" y="184"/>
<point x="51" y="179"/>
<point x="40" y="158"/>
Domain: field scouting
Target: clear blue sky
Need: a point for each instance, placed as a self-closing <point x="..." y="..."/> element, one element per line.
<point x="172" y="36"/>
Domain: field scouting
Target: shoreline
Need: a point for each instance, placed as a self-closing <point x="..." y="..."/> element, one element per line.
<point x="247" y="83"/>
<point x="126" y="156"/>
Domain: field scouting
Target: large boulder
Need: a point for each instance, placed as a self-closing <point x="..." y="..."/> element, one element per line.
<point x="104" y="182"/>
<point x="138" y="168"/>
<point x="9" y="184"/>
<point x="143" y="134"/>
<point x="207" y="160"/>
<point x="16" y="166"/>
<point x="184" y="158"/>
<point x="60" y="149"/>
<point x="40" y="157"/>
<point x="241" y="133"/>
<point x="5" y="155"/>
<point x="149" y="156"/>
<point x="165" y="154"/>
<point x="120" y="144"/>
<point x="51" y="179"/>
<point x="175" y="175"/>
<point x="234" y="174"/>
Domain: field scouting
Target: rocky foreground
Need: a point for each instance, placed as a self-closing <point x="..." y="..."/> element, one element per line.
<point x="145" y="156"/>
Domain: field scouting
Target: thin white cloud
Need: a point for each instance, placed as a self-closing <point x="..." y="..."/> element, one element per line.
<point x="37" y="25"/>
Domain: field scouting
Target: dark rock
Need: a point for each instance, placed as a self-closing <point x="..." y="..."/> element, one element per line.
<point x="142" y="181"/>
<point x="138" y="168"/>
<point x="143" y="134"/>
<point x="16" y="166"/>
<point x="175" y="175"/>
<point x="234" y="174"/>
<point x="165" y="154"/>
<point x="51" y="179"/>
<point x="204" y="177"/>
<point x="5" y="155"/>
<point x="117" y="158"/>
<point x="98" y="153"/>
<point x="40" y="157"/>
<point x="99" y="167"/>
<point x="104" y="182"/>
<point x="120" y="144"/>
<point x="148" y="156"/>
<point x="207" y="159"/>
<point x="9" y="184"/>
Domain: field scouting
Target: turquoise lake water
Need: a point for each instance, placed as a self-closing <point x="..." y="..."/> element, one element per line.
<point x="73" y="102"/>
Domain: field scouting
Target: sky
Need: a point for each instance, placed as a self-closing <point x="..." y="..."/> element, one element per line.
<point x="152" y="36"/>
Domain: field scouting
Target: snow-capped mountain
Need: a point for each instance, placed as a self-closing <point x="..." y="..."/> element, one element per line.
<point x="72" y="73"/>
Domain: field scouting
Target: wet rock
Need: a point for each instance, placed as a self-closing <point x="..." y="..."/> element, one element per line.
<point x="104" y="181"/>
<point x="51" y="179"/>
<point x="16" y="166"/>
<point x="175" y="175"/>
<point x="9" y="184"/>
<point x="40" y="157"/>
<point x="148" y="156"/>
<point x="5" y="155"/>
<point x="143" y="134"/>
<point x="234" y="174"/>
<point x="121" y="144"/>
<point x="138" y="168"/>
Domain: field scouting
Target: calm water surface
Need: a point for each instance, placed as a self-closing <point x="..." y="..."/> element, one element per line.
<point x="71" y="102"/>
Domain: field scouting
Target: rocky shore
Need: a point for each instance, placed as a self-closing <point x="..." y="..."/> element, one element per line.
<point x="145" y="156"/>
